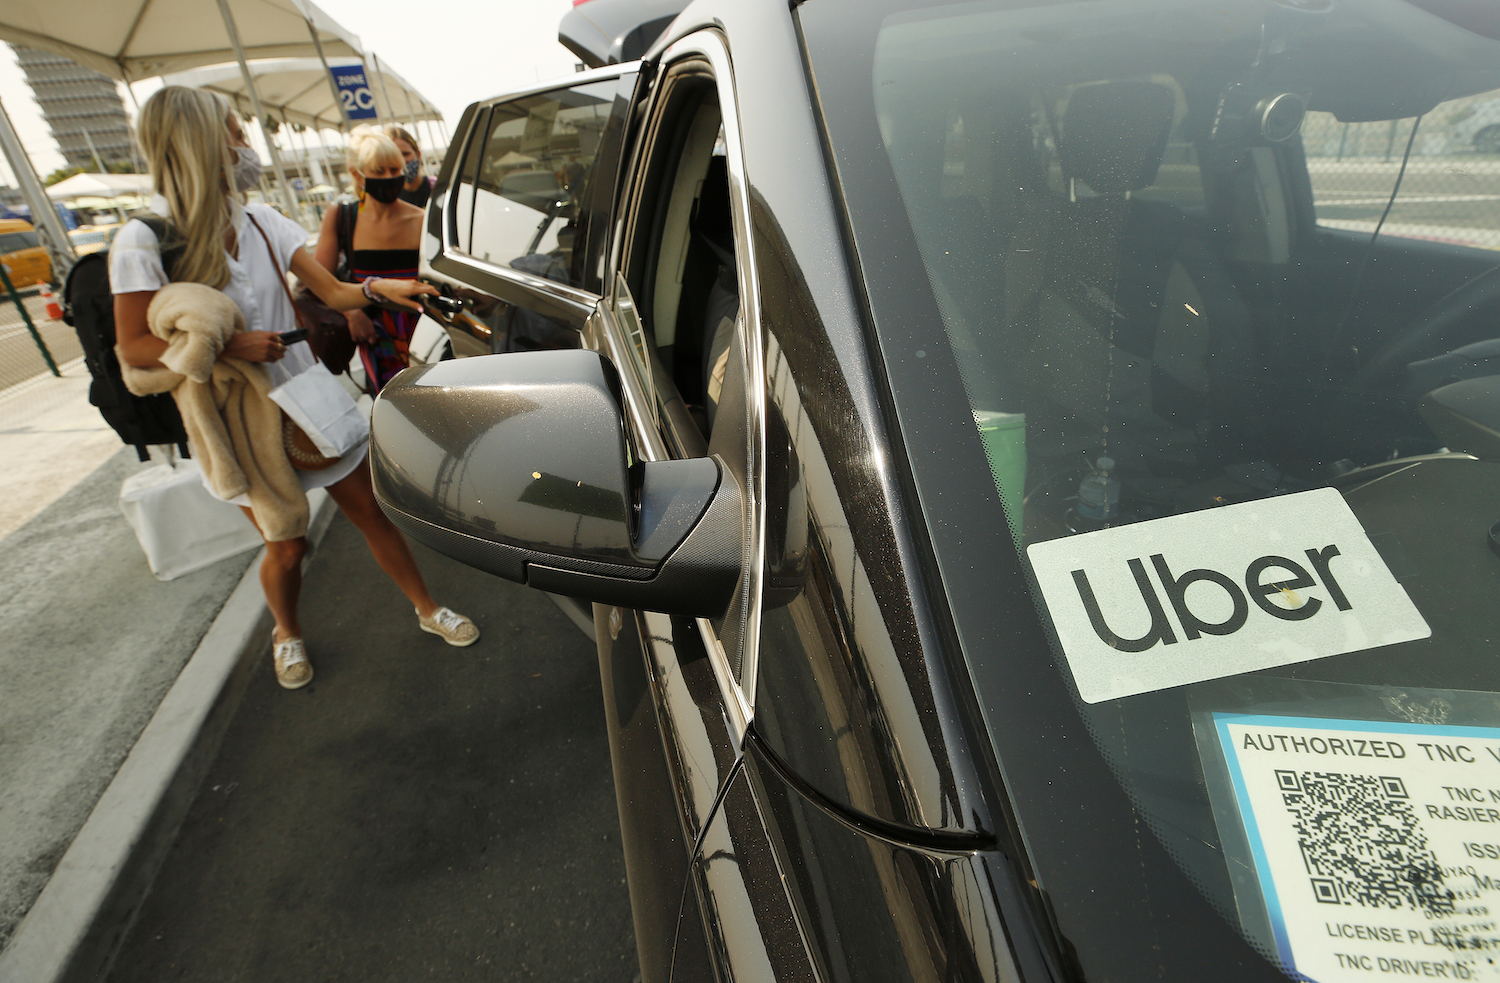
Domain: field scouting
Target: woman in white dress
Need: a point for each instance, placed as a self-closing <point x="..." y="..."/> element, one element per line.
<point x="201" y="165"/>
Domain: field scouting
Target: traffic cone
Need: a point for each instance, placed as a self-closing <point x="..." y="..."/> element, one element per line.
<point x="54" y="309"/>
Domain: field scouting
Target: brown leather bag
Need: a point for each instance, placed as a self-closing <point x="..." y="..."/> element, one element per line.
<point x="328" y="329"/>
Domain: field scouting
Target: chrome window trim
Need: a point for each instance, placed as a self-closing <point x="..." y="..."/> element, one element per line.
<point x="709" y="46"/>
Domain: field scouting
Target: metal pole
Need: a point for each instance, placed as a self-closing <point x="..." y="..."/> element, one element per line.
<point x="431" y="134"/>
<point x="390" y="107"/>
<point x="98" y="162"/>
<point x="288" y="199"/>
<point x="26" y="316"/>
<point x="304" y="170"/>
<point x="135" y="143"/>
<point x="338" y="100"/>
<point x="411" y="113"/>
<point x="43" y="215"/>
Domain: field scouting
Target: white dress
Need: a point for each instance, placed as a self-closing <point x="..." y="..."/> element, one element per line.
<point x="135" y="265"/>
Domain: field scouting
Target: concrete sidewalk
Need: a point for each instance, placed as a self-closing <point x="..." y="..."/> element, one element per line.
<point x="93" y="643"/>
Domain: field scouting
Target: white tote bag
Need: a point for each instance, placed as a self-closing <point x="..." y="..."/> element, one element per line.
<point x="324" y="410"/>
<point x="180" y="526"/>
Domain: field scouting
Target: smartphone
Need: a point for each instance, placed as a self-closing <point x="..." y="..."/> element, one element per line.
<point x="292" y="337"/>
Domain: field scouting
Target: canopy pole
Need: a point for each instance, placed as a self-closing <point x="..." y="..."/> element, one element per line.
<point x="338" y="99"/>
<point x="390" y="107"/>
<point x="291" y="145"/>
<point x="135" y="143"/>
<point x="411" y="114"/>
<point x="288" y="198"/>
<point x="431" y="141"/>
<point x="43" y="216"/>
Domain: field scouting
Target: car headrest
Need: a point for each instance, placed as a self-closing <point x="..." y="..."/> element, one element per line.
<point x="1114" y="134"/>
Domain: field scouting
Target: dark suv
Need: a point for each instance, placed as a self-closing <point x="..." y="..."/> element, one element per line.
<point x="1035" y="465"/>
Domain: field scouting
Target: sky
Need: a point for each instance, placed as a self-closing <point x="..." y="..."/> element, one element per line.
<point x="452" y="51"/>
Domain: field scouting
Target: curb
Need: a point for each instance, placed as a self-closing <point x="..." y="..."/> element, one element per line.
<point x="79" y="920"/>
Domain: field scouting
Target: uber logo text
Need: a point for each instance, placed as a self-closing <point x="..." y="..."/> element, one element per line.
<point x="1277" y="597"/>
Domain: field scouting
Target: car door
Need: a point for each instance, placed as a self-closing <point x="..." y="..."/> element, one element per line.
<point x="519" y="211"/>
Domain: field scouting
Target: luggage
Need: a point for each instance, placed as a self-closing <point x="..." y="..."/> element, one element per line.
<point x="179" y="524"/>
<point x="90" y="309"/>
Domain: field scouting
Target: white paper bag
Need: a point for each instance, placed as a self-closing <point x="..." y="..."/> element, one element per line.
<point x="324" y="410"/>
<point x="179" y="524"/>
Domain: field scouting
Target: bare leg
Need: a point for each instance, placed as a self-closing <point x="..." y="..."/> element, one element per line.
<point x="356" y="499"/>
<point x="281" y="579"/>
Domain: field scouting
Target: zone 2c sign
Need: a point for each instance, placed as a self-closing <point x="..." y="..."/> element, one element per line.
<point x="355" y="97"/>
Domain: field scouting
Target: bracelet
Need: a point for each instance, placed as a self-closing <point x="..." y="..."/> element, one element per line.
<point x="369" y="294"/>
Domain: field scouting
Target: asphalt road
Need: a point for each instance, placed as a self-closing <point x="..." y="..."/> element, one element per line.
<point x="417" y="812"/>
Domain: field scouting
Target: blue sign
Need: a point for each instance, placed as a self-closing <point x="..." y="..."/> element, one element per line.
<point x="355" y="97"/>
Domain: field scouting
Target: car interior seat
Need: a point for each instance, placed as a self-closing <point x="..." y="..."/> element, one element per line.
<point x="1132" y="338"/>
<point x="713" y="232"/>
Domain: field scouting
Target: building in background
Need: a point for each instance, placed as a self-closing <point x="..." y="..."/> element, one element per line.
<point x="81" y="106"/>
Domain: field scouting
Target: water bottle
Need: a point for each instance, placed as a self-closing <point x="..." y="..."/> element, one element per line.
<point x="1099" y="492"/>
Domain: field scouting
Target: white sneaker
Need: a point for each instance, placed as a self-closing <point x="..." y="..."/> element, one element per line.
<point x="293" y="671"/>
<point x="451" y="627"/>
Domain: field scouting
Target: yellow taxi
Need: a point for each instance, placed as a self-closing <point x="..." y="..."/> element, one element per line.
<point x="26" y="262"/>
<point x="92" y="238"/>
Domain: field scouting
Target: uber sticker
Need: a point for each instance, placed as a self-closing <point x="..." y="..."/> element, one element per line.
<point x="1217" y="593"/>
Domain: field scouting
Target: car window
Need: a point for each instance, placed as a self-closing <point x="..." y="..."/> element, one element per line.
<point x="1450" y="182"/>
<point x="15" y="241"/>
<point x="462" y="212"/>
<point x="535" y="164"/>
<point x="1215" y="444"/>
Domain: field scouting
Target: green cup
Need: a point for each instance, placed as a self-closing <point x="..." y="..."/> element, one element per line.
<point x="1004" y="436"/>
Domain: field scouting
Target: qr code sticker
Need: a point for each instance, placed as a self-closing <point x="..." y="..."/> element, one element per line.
<point x="1362" y="843"/>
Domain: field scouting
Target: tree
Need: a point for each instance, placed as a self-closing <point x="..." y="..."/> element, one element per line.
<point x="62" y="174"/>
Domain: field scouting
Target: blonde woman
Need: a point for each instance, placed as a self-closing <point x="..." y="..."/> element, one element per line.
<point x="378" y="237"/>
<point x="201" y="164"/>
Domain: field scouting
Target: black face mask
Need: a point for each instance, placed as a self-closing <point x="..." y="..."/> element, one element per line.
<point x="385" y="189"/>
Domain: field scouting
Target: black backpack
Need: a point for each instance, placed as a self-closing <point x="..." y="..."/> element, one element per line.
<point x="89" y="307"/>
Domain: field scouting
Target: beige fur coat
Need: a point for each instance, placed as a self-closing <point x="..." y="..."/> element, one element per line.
<point x="226" y="406"/>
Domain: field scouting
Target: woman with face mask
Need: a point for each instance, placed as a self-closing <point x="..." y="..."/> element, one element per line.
<point x="380" y="241"/>
<point x="201" y="165"/>
<point x="418" y="188"/>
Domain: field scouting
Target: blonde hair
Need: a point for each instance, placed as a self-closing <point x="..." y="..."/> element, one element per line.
<point x="185" y="136"/>
<point x="398" y="132"/>
<point x="368" y="148"/>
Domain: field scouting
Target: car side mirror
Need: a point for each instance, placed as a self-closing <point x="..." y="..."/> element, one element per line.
<point x="519" y="465"/>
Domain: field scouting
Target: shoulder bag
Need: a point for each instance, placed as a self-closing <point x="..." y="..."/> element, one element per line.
<point x="328" y="329"/>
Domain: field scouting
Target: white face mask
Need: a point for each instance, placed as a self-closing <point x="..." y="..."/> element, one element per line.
<point x="247" y="168"/>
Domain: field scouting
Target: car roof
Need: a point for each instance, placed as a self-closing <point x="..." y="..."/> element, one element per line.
<point x="606" y="32"/>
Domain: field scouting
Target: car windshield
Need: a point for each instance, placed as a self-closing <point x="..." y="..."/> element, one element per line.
<point x="1189" y="314"/>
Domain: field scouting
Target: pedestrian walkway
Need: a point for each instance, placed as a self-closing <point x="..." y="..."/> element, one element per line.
<point x="92" y="639"/>
<point x="50" y="439"/>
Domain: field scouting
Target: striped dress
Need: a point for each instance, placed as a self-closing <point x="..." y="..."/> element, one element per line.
<point x="387" y="355"/>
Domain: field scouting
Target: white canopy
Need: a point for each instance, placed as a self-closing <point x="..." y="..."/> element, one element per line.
<point x="100" y="186"/>
<point x="136" y="39"/>
<point x="297" y="89"/>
